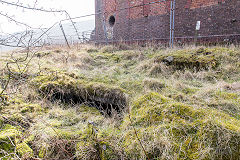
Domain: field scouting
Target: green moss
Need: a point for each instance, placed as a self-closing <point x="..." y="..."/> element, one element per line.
<point x="70" y="90"/>
<point x="188" y="90"/>
<point x="8" y="131"/>
<point x="189" y="130"/>
<point x="43" y="151"/>
<point x="130" y="55"/>
<point x="230" y="107"/>
<point x="161" y="110"/>
<point x="55" y="123"/>
<point x="19" y="113"/>
<point x="8" y="134"/>
<point x="111" y="57"/>
<point x="18" y="105"/>
<point x="198" y="59"/>
<point x="152" y="96"/>
<point x="153" y="140"/>
<point x="24" y="150"/>
<point x="30" y="108"/>
<point x="69" y="123"/>
<point x="227" y="95"/>
<point x="94" y="139"/>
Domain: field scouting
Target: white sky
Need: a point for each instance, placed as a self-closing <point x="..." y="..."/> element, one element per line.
<point x="40" y="19"/>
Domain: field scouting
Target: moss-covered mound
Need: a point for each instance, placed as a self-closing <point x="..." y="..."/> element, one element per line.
<point x="199" y="59"/>
<point x="71" y="90"/>
<point x="181" y="131"/>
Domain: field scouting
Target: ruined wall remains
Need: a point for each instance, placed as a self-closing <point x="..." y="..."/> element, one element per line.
<point x="132" y="20"/>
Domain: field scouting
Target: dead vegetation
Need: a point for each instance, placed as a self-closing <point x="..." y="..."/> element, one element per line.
<point x="120" y="102"/>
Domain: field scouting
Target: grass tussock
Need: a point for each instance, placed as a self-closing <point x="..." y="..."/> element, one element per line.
<point x="121" y="102"/>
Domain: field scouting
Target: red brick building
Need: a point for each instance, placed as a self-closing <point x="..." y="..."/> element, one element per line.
<point x="140" y="20"/>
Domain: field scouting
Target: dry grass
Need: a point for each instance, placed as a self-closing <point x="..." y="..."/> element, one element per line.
<point x="185" y="109"/>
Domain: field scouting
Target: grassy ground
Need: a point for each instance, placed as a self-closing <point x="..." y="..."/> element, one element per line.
<point x="121" y="103"/>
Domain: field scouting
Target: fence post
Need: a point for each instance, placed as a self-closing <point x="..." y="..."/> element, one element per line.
<point x="170" y="37"/>
<point x="64" y="35"/>
<point x="173" y="22"/>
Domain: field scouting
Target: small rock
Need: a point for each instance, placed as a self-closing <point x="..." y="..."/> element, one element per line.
<point x="169" y="59"/>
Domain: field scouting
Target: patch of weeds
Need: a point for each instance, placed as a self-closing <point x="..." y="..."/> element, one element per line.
<point x="116" y="58"/>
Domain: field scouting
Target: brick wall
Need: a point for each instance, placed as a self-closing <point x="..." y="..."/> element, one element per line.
<point x="202" y="3"/>
<point x="110" y="7"/>
<point x="218" y="17"/>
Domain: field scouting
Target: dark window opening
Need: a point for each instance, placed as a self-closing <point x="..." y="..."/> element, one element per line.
<point x="112" y="21"/>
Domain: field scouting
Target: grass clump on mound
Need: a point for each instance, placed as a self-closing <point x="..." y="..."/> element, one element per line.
<point x="182" y="131"/>
<point x="199" y="59"/>
<point x="71" y="90"/>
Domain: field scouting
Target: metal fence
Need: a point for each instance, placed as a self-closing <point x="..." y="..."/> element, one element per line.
<point x="169" y="22"/>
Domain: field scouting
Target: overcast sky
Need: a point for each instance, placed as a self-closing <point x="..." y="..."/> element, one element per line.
<point x="40" y="19"/>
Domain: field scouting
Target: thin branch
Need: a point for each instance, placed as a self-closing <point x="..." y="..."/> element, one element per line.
<point x="30" y="8"/>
